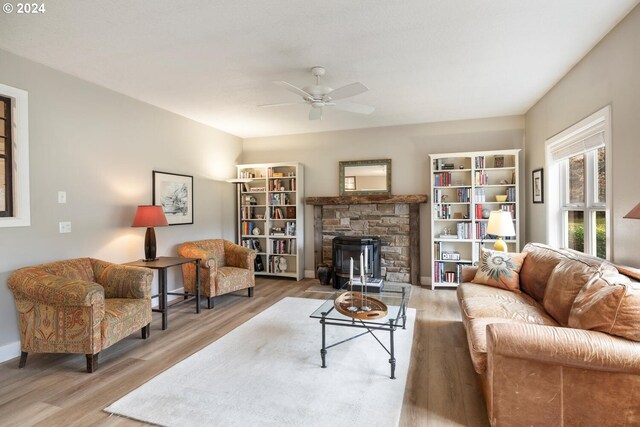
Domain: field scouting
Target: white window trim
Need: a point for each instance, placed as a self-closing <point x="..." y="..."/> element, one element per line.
<point x="21" y="197"/>
<point x="596" y="122"/>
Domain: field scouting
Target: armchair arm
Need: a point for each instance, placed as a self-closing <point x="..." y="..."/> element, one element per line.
<point x="123" y="281"/>
<point x="239" y="256"/>
<point x="39" y="286"/>
<point x="563" y="346"/>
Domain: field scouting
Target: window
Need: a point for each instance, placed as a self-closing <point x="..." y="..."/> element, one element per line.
<point x="578" y="160"/>
<point x="6" y="169"/>
<point x="583" y="186"/>
<point x="14" y="157"/>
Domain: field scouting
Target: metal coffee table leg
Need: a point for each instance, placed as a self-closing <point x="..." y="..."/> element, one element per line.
<point x="392" y="360"/>
<point x="323" y="351"/>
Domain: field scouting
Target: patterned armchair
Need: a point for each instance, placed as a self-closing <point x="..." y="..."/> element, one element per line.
<point x="224" y="267"/>
<point x="80" y="305"/>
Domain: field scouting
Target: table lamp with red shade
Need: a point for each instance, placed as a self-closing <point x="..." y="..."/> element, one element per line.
<point x="149" y="216"/>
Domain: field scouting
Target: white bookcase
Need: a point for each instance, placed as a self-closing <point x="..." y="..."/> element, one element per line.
<point x="464" y="187"/>
<point x="270" y="216"/>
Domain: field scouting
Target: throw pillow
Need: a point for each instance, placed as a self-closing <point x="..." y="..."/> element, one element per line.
<point x="565" y="282"/>
<point x="608" y="304"/>
<point x="499" y="269"/>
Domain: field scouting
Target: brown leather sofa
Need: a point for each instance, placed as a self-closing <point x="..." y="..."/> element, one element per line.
<point x="542" y="356"/>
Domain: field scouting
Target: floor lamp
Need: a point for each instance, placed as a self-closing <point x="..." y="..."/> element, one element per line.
<point x="239" y="182"/>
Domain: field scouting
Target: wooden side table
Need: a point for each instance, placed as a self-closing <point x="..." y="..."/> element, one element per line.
<point x="162" y="264"/>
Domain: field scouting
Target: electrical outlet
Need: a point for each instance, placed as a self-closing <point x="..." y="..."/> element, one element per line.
<point x="62" y="197"/>
<point x="65" y="226"/>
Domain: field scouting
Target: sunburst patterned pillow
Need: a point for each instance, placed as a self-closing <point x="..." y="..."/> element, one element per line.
<point x="499" y="269"/>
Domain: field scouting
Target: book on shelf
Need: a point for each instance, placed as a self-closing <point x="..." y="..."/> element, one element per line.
<point x="479" y="162"/>
<point x="444" y="272"/>
<point x="480" y="195"/>
<point x="442" y="179"/>
<point x="449" y="236"/>
<point x="481" y="178"/>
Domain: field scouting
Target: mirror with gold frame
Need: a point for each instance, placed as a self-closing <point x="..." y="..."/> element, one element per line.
<point x="365" y="177"/>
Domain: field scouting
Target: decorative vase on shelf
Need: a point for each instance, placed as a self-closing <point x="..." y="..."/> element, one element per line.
<point x="324" y="273"/>
<point x="485" y="213"/>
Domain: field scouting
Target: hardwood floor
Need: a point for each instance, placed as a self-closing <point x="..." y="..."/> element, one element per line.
<point x="55" y="390"/>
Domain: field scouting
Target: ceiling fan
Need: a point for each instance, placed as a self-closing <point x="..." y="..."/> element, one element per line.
<point x="319" y="96"/>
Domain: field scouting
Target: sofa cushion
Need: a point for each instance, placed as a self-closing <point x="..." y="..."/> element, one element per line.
<point x="499" y="269"/>
<point x="565" y="282"/>
<point x="608" y="304"/>
<point x="537" y="267"/>
<point x="522" y="308"/>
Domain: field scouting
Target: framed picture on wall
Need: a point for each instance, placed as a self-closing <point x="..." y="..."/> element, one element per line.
<point x="174" y="192"/>
<point x="538" y="185"/>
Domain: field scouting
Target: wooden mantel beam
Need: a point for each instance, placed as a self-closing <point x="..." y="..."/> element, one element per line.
<point x="364" y="200"/>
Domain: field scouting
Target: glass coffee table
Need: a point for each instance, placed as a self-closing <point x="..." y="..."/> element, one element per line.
<point x="394" y="295"/>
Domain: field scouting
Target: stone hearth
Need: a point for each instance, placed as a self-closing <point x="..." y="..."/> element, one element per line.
<point x="395" y="219"/>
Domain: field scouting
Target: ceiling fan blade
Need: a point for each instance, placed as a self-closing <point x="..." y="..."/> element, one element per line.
<point x="352" y="89"/>
<point x="294" y="89"/>
<point x="352" y="107"/>
<point x="315" y="113"/>
<point x="282" y="104"/>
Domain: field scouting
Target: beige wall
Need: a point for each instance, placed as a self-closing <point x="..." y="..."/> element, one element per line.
<point x="100" y="147"/>
<point x="609" y="74"/>
<point x="407" y="146"/>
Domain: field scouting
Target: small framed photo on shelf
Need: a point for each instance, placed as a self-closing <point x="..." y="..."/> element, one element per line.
<point x="350" y="183"/>
<point x="498" y="162"/>
<point x="537" y="180"/>
<point x="174" y="192"/>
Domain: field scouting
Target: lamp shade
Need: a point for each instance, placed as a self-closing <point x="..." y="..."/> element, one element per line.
<point x="634" y="213"/>
<point x="149" y="216"/>
<point x="500" y="224"/>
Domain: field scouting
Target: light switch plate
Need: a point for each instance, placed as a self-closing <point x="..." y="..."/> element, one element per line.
<point x="64" y="226"/>
<point x="62" y="197"/>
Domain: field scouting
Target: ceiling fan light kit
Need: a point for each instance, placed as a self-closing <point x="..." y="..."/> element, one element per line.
<point x="319" y="96"/>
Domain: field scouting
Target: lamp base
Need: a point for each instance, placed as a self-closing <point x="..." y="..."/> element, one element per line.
<point x="150" y="245"/>
<point x="500" y="245"/>
<point x="150" y="260"/>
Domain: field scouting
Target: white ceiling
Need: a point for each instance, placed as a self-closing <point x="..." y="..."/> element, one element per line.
<point x="214" y="61"/>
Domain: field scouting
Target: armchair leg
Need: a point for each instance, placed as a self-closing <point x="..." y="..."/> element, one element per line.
<point x="146" y="331"/>
<point x="92" y="362"/>
<point x="23" y="359"/>
<point x="209" y="303"/>
<point x="250" y="292"/>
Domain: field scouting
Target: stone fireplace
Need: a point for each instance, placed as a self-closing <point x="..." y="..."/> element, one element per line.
<point x="394" y="219"/>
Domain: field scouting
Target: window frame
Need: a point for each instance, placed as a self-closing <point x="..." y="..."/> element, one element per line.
<point x="559" y="205"/>
<point x="7" y="157"/>
<point x="20" y="157"/>
<point x="589" y="207"/>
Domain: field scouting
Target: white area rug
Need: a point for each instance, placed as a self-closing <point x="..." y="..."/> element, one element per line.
<point x="267" y="372"/>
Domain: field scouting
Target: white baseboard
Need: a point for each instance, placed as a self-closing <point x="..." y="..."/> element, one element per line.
<point x="309" y="274"/>
<point x="9" y="351"/>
